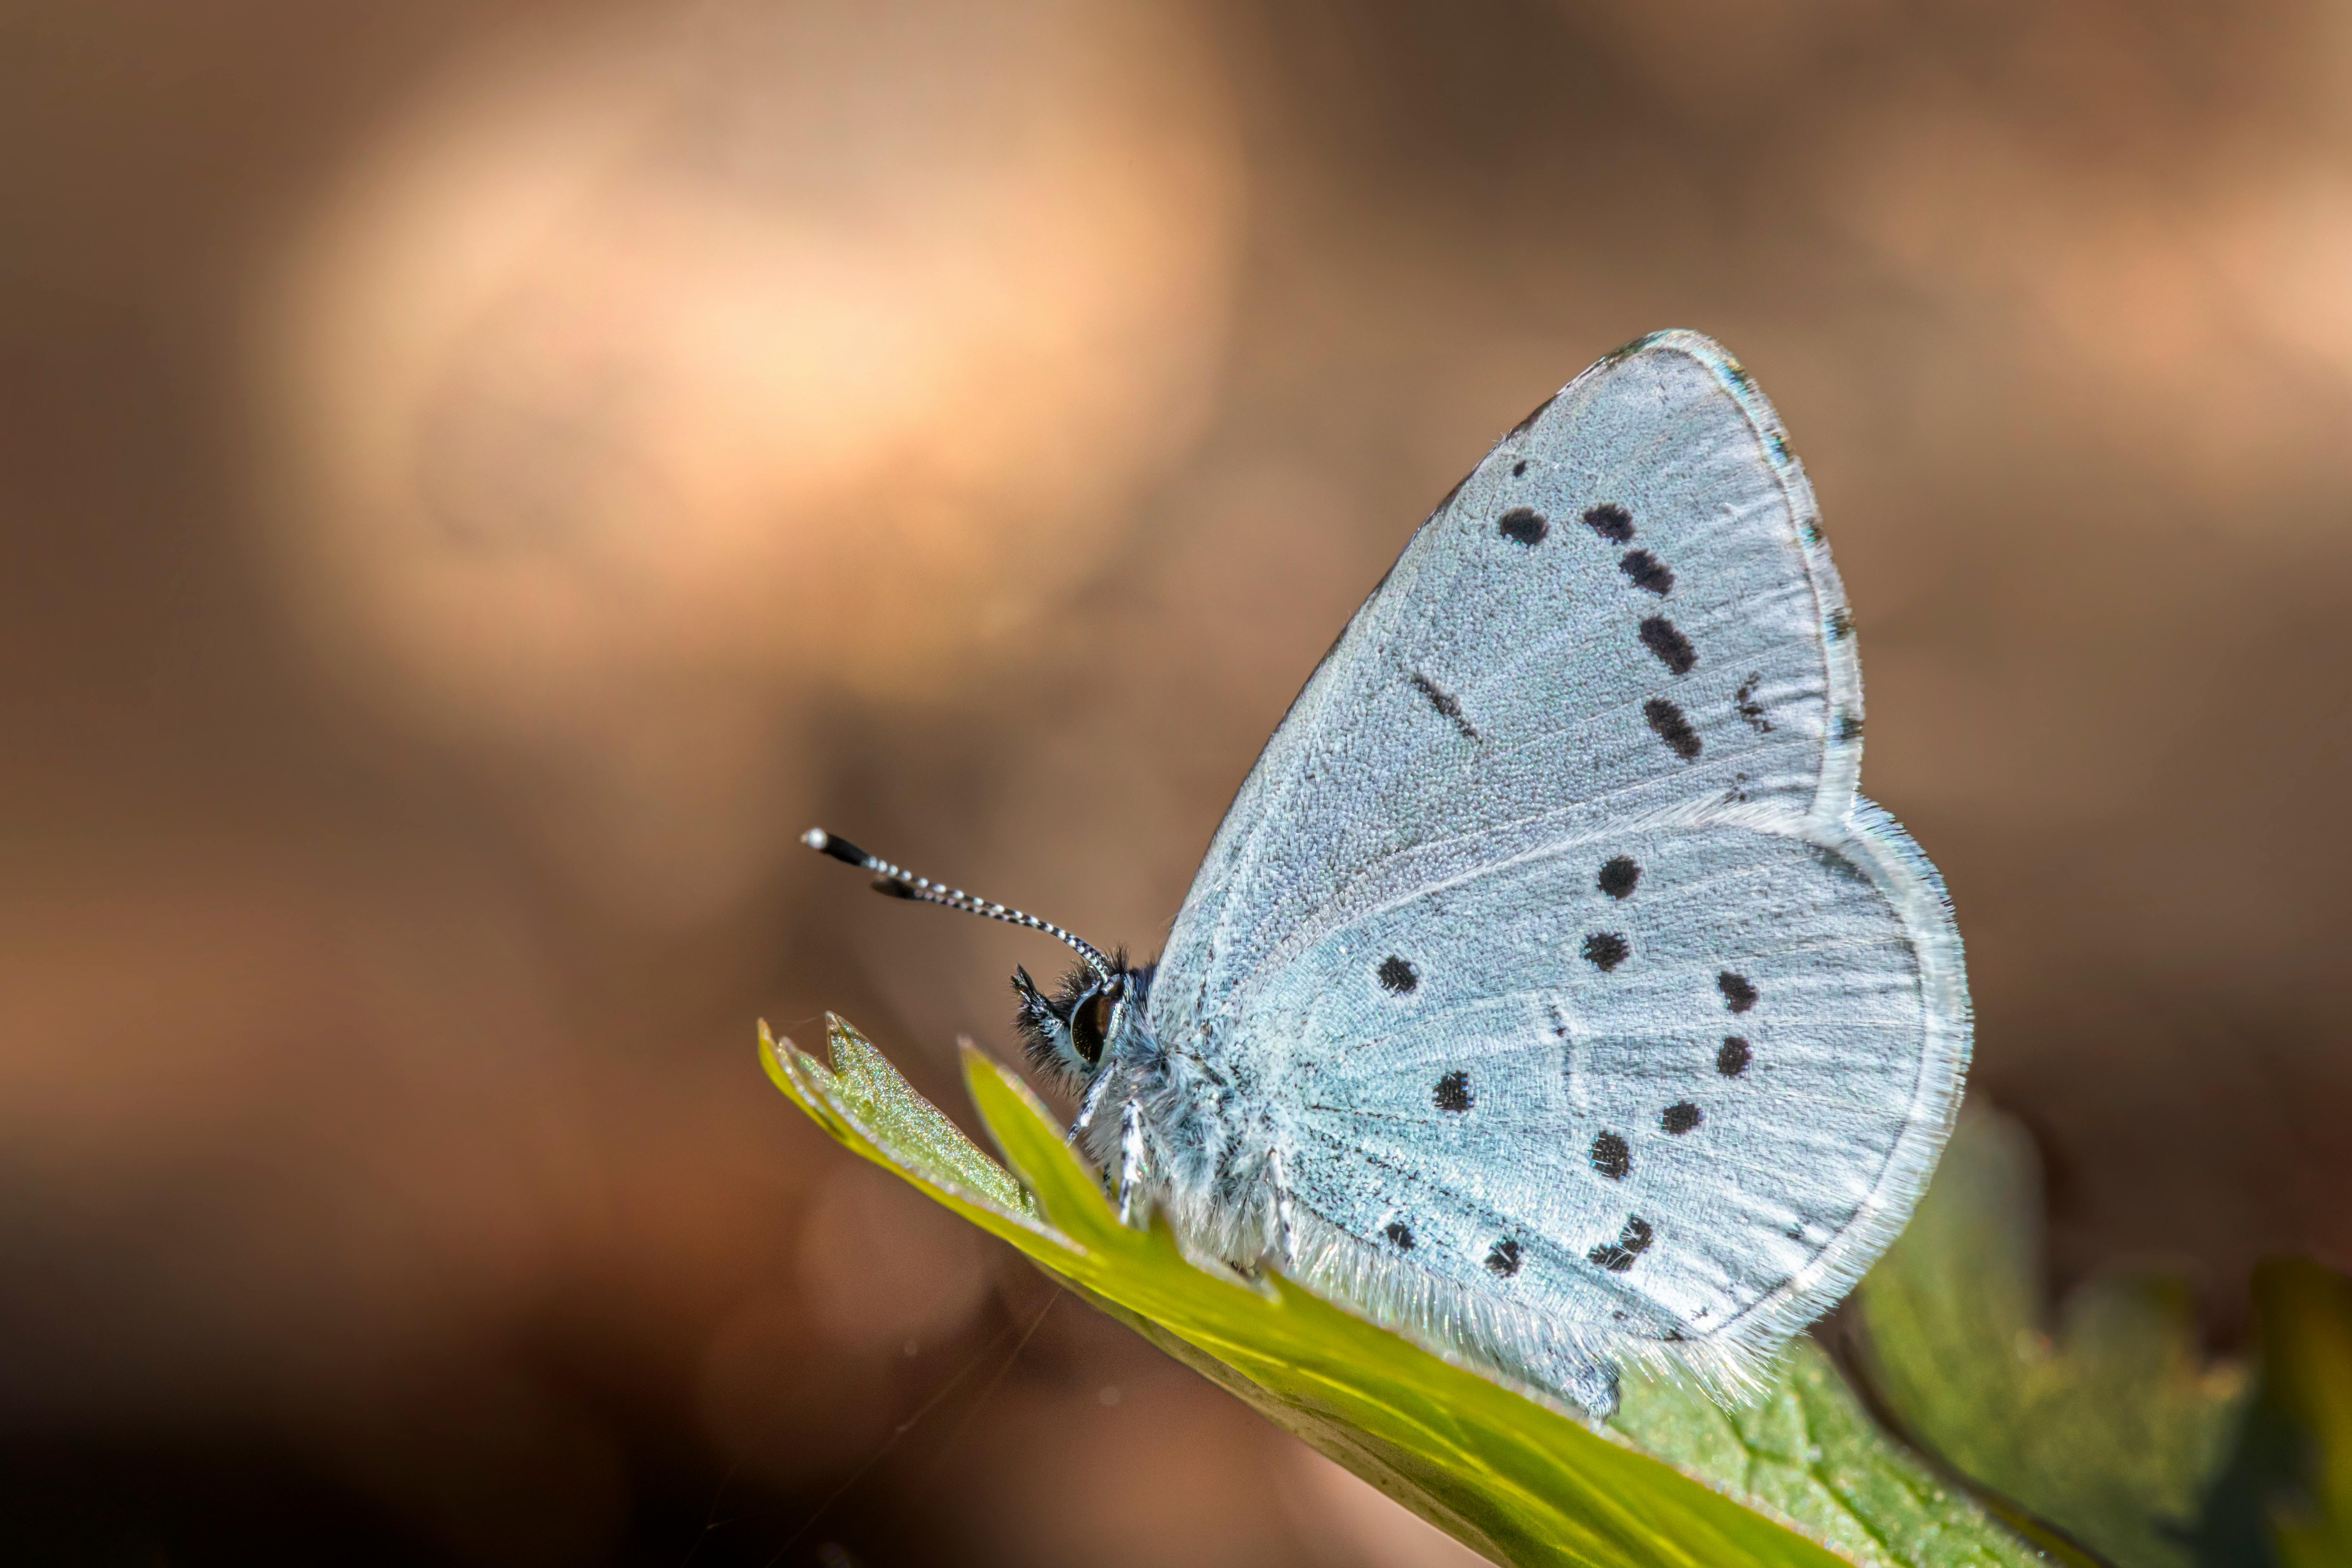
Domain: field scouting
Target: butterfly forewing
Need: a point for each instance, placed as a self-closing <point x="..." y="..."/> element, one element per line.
<point x="1617" y="612"/>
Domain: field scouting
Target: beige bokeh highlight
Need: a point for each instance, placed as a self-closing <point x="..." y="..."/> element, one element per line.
<point x="648" y="382"/>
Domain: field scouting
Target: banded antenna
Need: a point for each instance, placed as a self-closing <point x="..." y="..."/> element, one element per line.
<point x="892" y="882"/>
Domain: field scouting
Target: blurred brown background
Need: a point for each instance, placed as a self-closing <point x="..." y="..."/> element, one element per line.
<point x="478" y="478"/>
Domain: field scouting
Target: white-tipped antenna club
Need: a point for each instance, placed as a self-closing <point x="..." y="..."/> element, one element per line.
<point x="896" y="882"/>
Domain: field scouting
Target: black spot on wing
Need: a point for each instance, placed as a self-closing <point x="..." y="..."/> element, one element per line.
<point x="1611" y="1156"/>
<point x="1453" y="1093"/>
<point x="1743" y="704"/>
<point x="1664" y="638"/>
<point x="1504" y="1260"/>
<point x="1398" y="975"/>
<point x="1733" y="1059"/>
<point x="1849" y="726"/>
<point x="1631" y="1242"/>
<point x="1841" y="625"/>
<point x="1398" y="1231"/>
<point x="1610" y="521"/>
<point x="1618" y="876"/>
<point x="1647" y="571"/>
<point x="1681" y="1117"/>
<point x="1604" y="950"/>
<point x="1523" y="525"/>
<point x="1519" y="468"/>
<point x="1738" y="991"/>
<point x="1666" y="719"/>
<point x="1444" y="702"/>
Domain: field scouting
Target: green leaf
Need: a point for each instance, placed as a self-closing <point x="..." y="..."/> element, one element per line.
<point x="2287" y="1498"/>
<point x="1799" y="1478"/>
<point x="2305" y="1315"/>
<point x="1809" y="1453"/>
<point x="2114" y="1429"/>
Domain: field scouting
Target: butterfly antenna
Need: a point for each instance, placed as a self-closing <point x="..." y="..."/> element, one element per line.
<point x="893" y="881"/>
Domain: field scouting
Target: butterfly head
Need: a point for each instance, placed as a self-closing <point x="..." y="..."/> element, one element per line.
<point x="1095" y="1020"/>
<point x="1092" y="1020"/>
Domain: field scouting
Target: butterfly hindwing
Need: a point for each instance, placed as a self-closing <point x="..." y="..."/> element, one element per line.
<point x="1649" y="1088"/>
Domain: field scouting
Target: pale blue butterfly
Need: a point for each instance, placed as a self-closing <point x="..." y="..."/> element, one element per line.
<point x="1548" y="996"/>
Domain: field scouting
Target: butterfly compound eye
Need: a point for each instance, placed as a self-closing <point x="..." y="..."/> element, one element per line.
<point x="1089" y="1021"/>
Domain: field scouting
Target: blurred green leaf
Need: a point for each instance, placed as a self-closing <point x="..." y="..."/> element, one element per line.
<point x="2114" y="1428"/>
<point x="1801" y="1477"/>
<point x="2287" y="1498"/>
<point x="2306" y="1316"/>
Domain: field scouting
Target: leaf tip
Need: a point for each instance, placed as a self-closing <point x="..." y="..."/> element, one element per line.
<point x="775" y="1057"/>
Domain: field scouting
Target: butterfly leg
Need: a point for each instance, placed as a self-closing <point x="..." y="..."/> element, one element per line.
<point x="1094" y="1101"/>
<point x="1131" y="1165"/>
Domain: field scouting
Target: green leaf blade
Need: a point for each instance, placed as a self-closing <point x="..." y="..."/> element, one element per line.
<point x="1798" y="1480"/>
<point x="1064" y="1188"/>
<point x="2306" y="1318"/>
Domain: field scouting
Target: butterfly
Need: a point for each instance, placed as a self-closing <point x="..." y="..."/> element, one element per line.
<point x="1548" y="995"/>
